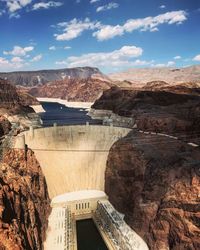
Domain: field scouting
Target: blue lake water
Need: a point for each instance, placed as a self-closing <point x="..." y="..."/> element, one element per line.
<point x="62" y="115"/>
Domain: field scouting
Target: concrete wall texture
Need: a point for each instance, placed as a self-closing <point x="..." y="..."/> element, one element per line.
<point x="73" y="158"/>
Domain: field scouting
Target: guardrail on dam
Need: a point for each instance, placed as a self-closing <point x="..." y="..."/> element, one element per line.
<point x="72" y="158"/>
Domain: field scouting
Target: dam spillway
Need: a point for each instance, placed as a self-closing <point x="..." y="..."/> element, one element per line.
<point x="72" y="158"/>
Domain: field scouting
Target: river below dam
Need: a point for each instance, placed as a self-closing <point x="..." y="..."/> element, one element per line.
<point x="88" y="237"/>
<point x="62" y="115"/>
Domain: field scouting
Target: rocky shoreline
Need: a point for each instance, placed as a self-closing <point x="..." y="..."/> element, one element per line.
<point x="85" y="105"/>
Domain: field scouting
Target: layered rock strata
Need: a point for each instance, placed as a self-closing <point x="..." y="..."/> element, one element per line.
<point x="24" y="202"/>
<point x="33" y="78"/>
<point x="5" y="126"/>
<point x="11" y="101"/>
<point x="156" y="111"/>
<point x="79" y="90"/>
<point x="14" y="105"/>
<point x="138" y="77"/>
<point x="155" y="182"/>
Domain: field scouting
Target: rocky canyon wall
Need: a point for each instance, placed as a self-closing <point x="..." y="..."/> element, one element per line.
<point x="155" y="182"/>
<point x="5" y="126"/>
<point x="156" y="111"/>
<point x="24" y="202"/>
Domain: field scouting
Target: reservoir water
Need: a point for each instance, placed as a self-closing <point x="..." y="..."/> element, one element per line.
<point x="88" y="236"/>
<point x="62" y="115"/>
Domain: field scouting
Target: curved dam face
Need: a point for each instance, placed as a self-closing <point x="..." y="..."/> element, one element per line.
<point x="72" y="158"/>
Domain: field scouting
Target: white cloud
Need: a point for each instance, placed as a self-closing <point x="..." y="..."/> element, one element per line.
<point x="14" y="15"/>
<point x="2" y="12"/>
<point x="177" y="57"/>
<point x="19" y="51"/>
<point x="17" y="59"/>
<point x="56" y="48"/>
<point x="154" y="29"/>
<point x="67" y="47"/>
<point x="74" y="28"/>
<point x="4" y="63"/>
<point x="47" y="5"/>
<point x="94" y="1"/>
<point x="13" y="64"/>
<point x="36" y="58"/>
<point x="197" y="58"/>
<point x="163" y="65"/>
<point x="162" y="6"/>
<point x="170" y="63"/>
<point x="109" y="6"/>
<point x="52" y="48"/>
<point x="108" y="32"/>
<point x="145" y="24"/>
<point x="15" y="5"/>
<point x="117" y="58"/>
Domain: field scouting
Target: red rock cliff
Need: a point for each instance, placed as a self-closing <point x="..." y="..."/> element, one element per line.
<point x="5" y="126"/>
<point x="82" y="90"/>
<point x="155" y="182"/>
<point x="13" y="101"/>
<point x="24" y="202"/>
<point x="156" y="111"/>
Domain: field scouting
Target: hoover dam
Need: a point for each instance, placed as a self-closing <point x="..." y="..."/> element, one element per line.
<point x="73" y="160"/>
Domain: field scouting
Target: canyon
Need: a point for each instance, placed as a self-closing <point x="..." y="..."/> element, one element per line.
<point x="79" y="90"/>
<point x="24" y="202"/>
<point x="140" y="158"/>
<point x="86" y="84"/>
<point x="155" y="182"/>
<point x="155" y="111"/>
<point x="15" y="105"/>
<point x="152" y="174"/>
<point x="24" y="199"/>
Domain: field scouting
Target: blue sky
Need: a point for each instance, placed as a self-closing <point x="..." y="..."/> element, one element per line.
<point x="112" y="35"/>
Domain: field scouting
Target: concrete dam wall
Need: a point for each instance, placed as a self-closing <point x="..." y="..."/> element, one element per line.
<point x="73" y="158"/>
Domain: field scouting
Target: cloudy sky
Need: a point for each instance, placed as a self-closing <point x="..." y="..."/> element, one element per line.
<point x="112" y="35"/>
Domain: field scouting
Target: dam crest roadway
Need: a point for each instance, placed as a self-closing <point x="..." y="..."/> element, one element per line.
<point x="73" y="160"/>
